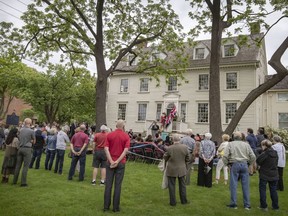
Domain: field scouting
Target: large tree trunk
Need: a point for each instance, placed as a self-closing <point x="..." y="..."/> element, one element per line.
<point x="101" y="94"/>
<point x="102" y="74"/>
<point x="282" y="72"/>
<point x="214" y="79"/>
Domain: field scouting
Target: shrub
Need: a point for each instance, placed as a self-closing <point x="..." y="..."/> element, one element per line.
<point x="283" y="133"/>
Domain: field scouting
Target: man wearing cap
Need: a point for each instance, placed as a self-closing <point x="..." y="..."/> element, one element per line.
<point x="190" y="143"/>
<point x="99" y="156"/>
<point x="78" y="145"/>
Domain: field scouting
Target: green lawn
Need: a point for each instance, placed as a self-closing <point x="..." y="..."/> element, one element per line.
<point x="53" y="194"/>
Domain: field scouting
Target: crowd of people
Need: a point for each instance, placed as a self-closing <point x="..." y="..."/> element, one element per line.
<point x="238" y="155"/>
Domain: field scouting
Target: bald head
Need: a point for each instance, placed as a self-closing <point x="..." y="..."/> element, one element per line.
<point x="237" y="135"/>
<point x="83" y="127"/>
<point x="120" y="124"/>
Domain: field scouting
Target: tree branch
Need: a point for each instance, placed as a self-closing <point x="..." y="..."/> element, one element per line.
<point x="270" y="27"/>
<point x="83" y="18"/>
<point x="282" y="72"/>
<point x="228" y="23"/>
<point x="135" y="42"/>
<point x="73" y="23"/>
<point x="276" y="57"/>
<point x="210" y="5"/>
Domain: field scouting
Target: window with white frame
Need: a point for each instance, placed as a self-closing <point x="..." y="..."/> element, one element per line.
<point x="229" y="50"/>
<point x="283" y="120"/>
<point x="122" y="111"/>
<point x="144" y="84"/>
<point x="183" y="112"/>
<point x="230" y="111"/>
<point x="203" y="82"/>
<point x="203" y="112"/>
<point x="172" y="84"/>
<point x="132" y="60"/>
<point x="158" y="111"/>
<point x="199" y="53"/>
<point x="231" y="80"/>
<point x="142" y="109"/>
<point x="124" y="85"/>
<point x="283" y="96"/>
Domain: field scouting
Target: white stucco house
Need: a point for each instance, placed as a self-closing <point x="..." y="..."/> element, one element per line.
<point x="275" y="105"/>
<point x="138" y="100"/>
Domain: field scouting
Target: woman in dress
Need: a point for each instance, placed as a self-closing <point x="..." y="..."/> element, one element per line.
<point x="9" y="162"/>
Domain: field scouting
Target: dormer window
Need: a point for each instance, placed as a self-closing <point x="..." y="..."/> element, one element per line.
<point x="199" y="53"/>
<point x="132" y="60"/>
<point x="157" y="55"/>
<point x="229" y="50"/>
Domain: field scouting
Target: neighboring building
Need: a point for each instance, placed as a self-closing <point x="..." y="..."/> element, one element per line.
<point x="16" y="106"/>
<point x="136" y="99"/>
<point x="275" y="105"/>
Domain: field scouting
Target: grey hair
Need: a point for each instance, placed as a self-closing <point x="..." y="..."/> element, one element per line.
<point x="189" y="131"/>
<point x="176" y="138"/>
<point x="277" y="138"/>
<point x="208" y="136"/>
<point x="65" y="128"/>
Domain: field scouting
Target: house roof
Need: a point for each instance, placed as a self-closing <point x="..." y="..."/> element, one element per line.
<point x="248" y="53"/>
<point x="283" y="84"/>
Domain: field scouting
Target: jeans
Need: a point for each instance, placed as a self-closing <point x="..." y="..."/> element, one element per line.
<point x="59" y="160"/>
<point x="37" y="153"/>
<point x="23" y="156"/>
<point x="273" y="193"/>
<point x="82" y="160"/>
<point x="239" y="170"/>
<point x="116" y="174"/>
<point x="50" y="155"/>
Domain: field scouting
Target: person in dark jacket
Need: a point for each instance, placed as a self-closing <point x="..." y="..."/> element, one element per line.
<point x="38" y="147"/>
<point x="268" y="173"/>
<point x="252" y="140"/>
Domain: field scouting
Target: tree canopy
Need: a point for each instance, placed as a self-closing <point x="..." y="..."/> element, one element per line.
<point x="88" y="30"/>
<point x="217" y="17"/>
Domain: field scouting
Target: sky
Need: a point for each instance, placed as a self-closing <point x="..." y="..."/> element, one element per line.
<point x="11" y="10"/>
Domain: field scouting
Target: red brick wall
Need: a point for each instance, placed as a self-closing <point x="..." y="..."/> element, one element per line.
<point x="17" y="105"/>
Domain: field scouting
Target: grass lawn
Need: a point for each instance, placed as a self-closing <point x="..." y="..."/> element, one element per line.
<point x="53" y="194"/>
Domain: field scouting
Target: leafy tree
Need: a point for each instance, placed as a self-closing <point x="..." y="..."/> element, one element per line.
<point x="11" y="70"/>
<point x="14" y="76"/>
<point x="61" y="93"/>
<point x="101" y="30"/>
<point x="222" y="15"/>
